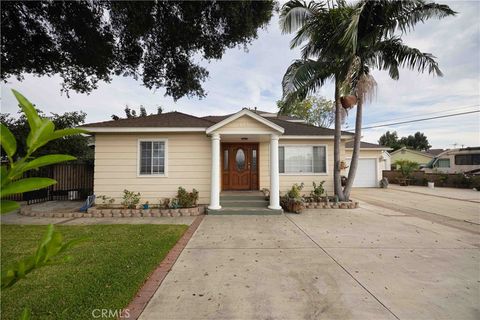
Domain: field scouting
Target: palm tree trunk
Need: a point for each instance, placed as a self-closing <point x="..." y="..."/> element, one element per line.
<point x="356" y="149"/>
<point x="337" y="180"/>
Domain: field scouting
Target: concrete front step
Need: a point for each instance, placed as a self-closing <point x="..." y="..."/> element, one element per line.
<point x="242" y="197"/>
<point x="244" y="211"/>
<point x="244" y="203"/>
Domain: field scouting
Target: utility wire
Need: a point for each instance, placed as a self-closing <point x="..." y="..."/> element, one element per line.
<point x="418" y="120"/>
<point x="421" y="115"/>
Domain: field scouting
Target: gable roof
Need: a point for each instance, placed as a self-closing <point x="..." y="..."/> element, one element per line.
<point x="173" y="119"/>
<point x="435" y="152"/>
<point x="367" y="145"/>
<point x="181" y="122"/>
<point x="248" y="113"/>
<point x="412" y="151"/>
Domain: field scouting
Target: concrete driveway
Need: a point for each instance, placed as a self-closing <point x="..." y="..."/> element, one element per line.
<point x="367" y="263"/>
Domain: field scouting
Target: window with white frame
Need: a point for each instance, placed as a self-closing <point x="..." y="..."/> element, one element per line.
<point x="152" y="157"/>
<point x="443" y="163"/>
<point x="302" y="159"/>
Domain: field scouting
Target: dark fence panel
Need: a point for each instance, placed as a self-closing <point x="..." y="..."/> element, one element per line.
<point x="74" y="182"/>
<point x="420" y="178"/>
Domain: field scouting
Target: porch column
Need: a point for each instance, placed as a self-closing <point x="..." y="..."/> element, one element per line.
<point x="274" y="174"/>
<point x="215" y="182"/>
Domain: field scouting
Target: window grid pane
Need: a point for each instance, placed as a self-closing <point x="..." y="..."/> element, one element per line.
<point x="308" y="159"/>
<point x="152" y="157"/>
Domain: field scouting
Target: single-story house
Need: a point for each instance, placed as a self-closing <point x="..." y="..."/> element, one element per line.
<point x="373" y="159"/>
<point x="247" y="150"/>
<point x="420" y="157"/>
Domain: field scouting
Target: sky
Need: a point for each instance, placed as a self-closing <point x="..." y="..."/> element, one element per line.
<point x="252" y="78"/>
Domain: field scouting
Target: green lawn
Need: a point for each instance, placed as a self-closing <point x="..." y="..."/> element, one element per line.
<point x="104" y="273"/>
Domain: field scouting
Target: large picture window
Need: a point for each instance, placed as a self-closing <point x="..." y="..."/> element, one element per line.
<point x="152" y="158"/>
<point x="302" y="159"/>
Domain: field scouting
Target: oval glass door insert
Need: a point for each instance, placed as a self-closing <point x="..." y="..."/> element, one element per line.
<point x="240" y="159"/>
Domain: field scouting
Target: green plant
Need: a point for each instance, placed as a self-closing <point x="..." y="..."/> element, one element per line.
<point x="295" y="191"/>
<point x="187" y="199"/>
<point x="406" y="167"/>
<point x="165" y="203"/>
<point x="42" y="131"/>
<point x="130" y="199"/>
<point x="317" y="191"/>
<point x="50" y="247"/>
<point x="106" y="201"/>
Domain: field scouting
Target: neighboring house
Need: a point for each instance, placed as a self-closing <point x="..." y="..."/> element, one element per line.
<point x="373" y="159"/>
<point x="455" y="161"/>
<point x="420" y="157"/>
<point x="247" y="150"/>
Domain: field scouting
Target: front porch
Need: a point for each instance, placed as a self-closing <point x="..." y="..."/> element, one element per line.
<point x="235" y="165"/>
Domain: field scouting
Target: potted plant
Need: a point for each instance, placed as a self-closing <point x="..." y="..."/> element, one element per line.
<point x="292" y="201"/>
<point x="145" y="205"/>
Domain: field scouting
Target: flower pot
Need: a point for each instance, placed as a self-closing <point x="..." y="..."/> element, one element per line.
<point x="348" y="101"/>
<point x="431" y="185"/>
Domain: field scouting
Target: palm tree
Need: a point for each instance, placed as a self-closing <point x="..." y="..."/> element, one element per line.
<point x="343" y="42"/>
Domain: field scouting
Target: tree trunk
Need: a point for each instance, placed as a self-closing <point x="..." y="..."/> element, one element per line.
<point x="337" y="183"/>
<point x="356" y="149"/>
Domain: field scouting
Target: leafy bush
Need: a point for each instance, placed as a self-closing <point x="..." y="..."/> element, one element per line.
<point x="317" y="191"/>
<point x="42" y="131"/>
<point x="406" y="167"/>
<point x="295" y="191"/>
<point x="292" y="201"/>
<point x="187" y="199"/>
<point x="130" y="199"/>
<point x="106" y="201"/>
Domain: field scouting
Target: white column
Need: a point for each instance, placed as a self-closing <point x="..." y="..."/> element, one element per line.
<point x="215" y="183"/>
<point x="274" y="174"/>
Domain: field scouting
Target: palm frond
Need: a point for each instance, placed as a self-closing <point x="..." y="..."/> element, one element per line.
<point x="392" y="53"/>
<point x="304" y="77"/>
<point x="294" y="14"/>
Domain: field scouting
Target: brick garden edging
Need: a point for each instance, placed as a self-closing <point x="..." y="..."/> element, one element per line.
<point x="339" y="205"/>
<point x="153" y="282"/>
<point x="115" y="213"/>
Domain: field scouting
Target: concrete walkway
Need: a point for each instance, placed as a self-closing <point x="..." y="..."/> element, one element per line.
<point x="449" y="193"/>
<point x="368" y="263"/>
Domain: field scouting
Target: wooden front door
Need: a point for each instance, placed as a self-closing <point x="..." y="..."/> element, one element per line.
<point x="240" y="166"/>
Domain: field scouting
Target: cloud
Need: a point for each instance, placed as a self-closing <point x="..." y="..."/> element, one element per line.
<point x="253" y="79"/>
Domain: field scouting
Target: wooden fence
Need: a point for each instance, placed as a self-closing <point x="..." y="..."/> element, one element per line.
<point x="420" y="178"/>
<point x="74" y="181"/>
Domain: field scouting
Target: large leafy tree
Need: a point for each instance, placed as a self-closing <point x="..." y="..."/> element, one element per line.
<point x="75" y="145"/>
<point x="344" y="42"/>
<point x="417" y="141"/>
<point x="316" y="111"/>
<point x="158" y="41"/>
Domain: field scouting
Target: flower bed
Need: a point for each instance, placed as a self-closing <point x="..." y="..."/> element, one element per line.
<point x="115" y="213"/>
<point x="332" y="205"/>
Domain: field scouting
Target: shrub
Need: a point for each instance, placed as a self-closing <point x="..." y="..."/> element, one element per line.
<point x="106" y="201"/>
<point x="292" y="201"/>
<point x="130" y="199"/>
<point x="406" y="167"/>
<point x="317" y="191"/>
<point x="187" y="199"/>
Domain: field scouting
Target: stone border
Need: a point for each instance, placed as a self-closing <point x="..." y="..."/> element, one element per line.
<point x="332" y="205"/>
<point x="115" y="213"/>
<point x="153" y="282"/>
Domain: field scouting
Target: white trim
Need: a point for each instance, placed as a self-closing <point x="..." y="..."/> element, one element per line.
<point x="165" y="171"/>
<point x="291" y="137"/>
<point x="326" y="173"/>
<point x="143" y="129"/>
<point x="245" y="112"/>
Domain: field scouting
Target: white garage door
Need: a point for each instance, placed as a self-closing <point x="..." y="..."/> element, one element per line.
<point x="366" y="175"/>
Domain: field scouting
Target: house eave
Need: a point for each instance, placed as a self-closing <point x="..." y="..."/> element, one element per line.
<point x="245" y="112"/>
<point x="142" y="129"/>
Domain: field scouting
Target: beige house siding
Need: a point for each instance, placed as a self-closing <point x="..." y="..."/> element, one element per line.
<point x="412" y="156"/>
<point x="287" y="180"/>
<point x="372" y="154"/>
<point x="244" y="124"/>
<point x="116" y="166"/>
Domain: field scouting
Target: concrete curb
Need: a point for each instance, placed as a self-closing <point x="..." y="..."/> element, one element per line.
<point x="153" y="282"/>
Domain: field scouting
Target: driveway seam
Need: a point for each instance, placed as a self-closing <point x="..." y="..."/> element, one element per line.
<point x="343" y="268"/>
<point x="434" y="195"/>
